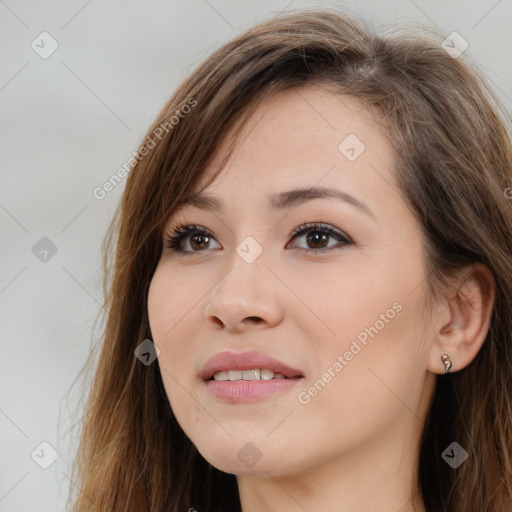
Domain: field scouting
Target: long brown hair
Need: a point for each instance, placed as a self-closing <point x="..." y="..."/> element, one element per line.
<point x="454" y="166"/>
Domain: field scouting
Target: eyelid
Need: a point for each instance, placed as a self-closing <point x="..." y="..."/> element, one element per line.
<point x="321" y="226"/>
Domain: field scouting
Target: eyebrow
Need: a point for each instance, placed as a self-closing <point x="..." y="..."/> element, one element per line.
<point x="282" y="200"/>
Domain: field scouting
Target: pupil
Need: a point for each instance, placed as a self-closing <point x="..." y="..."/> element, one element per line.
<point x="316" y="238"/>
<point x="194" y="239"/>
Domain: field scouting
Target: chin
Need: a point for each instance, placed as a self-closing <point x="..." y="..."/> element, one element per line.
<point x="235" y="467"/>
<point x="240" y="457"/>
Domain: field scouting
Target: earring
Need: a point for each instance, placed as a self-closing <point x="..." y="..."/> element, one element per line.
<point x="445" y="358"/>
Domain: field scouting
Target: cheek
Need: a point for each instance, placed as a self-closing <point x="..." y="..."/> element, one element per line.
<point x="374" y="315"/>
<point x="360" y="387"/>
<point x="159" y="301"/>
<point x="163" y="311"/>
<point x="170" y="301"/>
<point x="382" y="364"/>
<point x="340" y="303"/>
<point x="171" y="312"/>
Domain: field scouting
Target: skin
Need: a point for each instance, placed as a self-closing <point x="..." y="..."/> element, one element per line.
<point x="355" y="444"/>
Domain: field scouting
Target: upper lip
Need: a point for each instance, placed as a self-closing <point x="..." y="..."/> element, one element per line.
<point x="228" y="360"/>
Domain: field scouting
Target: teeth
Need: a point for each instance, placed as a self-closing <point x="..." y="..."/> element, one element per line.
<point x="266" y="374"/>
<point x="256" y="374"/>
<point x="234" y="374"/>
<point x="251" y="374"/>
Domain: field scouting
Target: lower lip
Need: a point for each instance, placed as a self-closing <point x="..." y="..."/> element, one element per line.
<point x="245" y="390"/>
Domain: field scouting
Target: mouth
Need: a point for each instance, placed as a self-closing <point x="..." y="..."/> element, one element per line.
<point x="251" y="365"/>
<point x="242" y="376"/>
<point x="252" y="374"/>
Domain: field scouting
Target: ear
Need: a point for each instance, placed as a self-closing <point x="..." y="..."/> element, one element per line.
<point x="462" y="321"/>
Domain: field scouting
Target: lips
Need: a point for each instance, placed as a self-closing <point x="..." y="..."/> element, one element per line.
<point x="228" y="360"/>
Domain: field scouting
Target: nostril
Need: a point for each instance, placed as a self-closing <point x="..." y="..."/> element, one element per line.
<point x="254" y="318"/>
<point x="218" y="322"/>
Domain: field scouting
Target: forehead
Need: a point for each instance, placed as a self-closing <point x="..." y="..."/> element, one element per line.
<point x="303" y="138"/>
<point x="301" y="133"/>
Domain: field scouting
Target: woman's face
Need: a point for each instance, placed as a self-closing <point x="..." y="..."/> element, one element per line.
<point x="339" y="302"/>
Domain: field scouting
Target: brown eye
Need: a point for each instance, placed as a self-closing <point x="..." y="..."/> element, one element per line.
<point x="317" y="239"/>
<point x="199" y="241"/>
<point x="189" y="239"/>
<point x="194" y="239"/>
<point x="318" y="235"/>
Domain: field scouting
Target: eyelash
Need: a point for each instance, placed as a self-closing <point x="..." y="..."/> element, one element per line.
<point x="178" y="233"/>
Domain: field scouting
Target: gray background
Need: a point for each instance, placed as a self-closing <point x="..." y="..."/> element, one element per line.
<point x="68" y="122"/>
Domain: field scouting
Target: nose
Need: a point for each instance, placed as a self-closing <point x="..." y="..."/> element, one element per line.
<point x="246" y="296"/>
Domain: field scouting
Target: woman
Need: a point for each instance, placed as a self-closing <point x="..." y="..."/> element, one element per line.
<point x="311" y="300"/>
